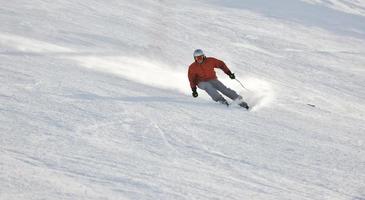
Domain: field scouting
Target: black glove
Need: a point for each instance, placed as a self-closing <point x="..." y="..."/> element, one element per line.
<point x="231" y="75"/>
<point x="195" y="93"/>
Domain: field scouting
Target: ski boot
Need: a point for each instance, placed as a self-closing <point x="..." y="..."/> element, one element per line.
<point x="224" y="102"/>
<point x="244" y="105"/>
<point x="241" y="103"/>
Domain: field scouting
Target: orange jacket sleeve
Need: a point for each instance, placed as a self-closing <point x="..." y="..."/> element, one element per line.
<point x="221" y="65"/>
<point x="192" y="78"/>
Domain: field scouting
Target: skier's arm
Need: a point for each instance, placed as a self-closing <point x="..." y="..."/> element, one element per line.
<point x="192" y="77"/>
<point x="221" y="65"/>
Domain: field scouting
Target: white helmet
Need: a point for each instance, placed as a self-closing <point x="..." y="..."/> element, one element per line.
<point x="198" y="52"/>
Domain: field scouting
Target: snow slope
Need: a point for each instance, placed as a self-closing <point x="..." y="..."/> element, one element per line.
<point x="95" y="102"/>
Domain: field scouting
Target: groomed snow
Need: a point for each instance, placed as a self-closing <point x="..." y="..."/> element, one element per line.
<point x="95" y="102"/>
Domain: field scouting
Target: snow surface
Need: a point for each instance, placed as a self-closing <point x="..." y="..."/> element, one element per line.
<point x="95" y="101"/>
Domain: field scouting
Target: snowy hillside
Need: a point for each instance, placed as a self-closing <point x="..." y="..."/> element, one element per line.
<point x="95" y="102"/>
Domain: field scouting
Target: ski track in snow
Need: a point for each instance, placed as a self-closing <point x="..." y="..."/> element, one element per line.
<point x="95" y="101"/>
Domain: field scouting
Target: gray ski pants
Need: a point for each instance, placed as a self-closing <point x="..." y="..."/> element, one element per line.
<point x="213" y="86"/>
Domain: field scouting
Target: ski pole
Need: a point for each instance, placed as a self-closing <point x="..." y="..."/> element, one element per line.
<point x="241" y="84"/>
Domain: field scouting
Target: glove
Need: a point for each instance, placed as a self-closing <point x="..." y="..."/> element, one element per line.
<point x="231" y="75"/>
<point x="195" y="93"/>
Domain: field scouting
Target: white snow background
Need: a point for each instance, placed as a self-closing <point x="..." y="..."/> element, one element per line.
<point x="95" y="102"/>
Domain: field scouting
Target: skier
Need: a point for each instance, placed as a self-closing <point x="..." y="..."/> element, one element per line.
<point x="201" y="73"/>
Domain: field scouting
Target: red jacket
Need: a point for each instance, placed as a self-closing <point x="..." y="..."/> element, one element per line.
<point x="205" y="71"/>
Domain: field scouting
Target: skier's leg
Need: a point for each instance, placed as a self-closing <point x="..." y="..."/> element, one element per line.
<point x="229" y="93"/>
<point x="224" y="89"/>
<point x="212" y="92"/>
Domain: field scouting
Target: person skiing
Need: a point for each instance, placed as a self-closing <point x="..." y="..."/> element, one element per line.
<point x="201" y="74"/>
